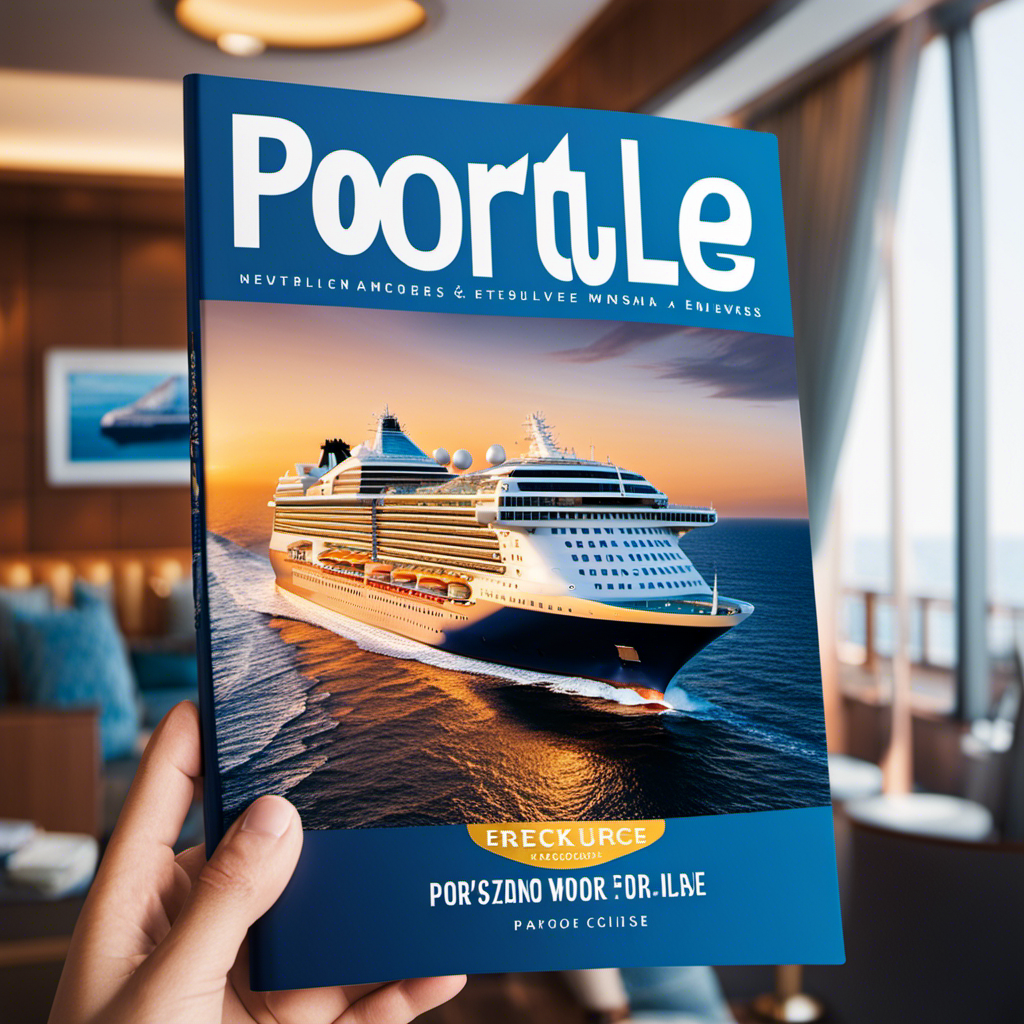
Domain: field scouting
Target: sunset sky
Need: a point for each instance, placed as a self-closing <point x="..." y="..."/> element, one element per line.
<point x="707" y="417"/>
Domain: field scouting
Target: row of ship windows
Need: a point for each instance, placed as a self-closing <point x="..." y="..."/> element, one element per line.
<point x="625" y="544"/>
<point x="533" y="604"/>
<point x="629" y="586"/>
<point x="587" y="488"/>
<point x="663" y="517"/>
<point x="654" y="556"/>
<point x="387" y="600"/>
<point x="654" y="570"/>
<point x="643" y="586"/>
<point x="608" y="531"/>
<point x="589" y="474"/>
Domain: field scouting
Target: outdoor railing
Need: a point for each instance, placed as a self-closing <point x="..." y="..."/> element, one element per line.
<point x="866" y="628"/>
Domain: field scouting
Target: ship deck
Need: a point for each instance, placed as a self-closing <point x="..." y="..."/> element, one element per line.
<point x="681" y="606"/>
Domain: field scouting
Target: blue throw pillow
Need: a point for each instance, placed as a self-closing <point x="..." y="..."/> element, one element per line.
<point x="35" y="599"/>
<point x="75" y="657"/>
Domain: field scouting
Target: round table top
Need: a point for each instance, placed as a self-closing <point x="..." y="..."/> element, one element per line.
<point x="850" y="778"/>
<point x="924" y="814"/>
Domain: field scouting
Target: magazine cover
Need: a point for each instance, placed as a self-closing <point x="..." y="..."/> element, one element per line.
<point x="501" y="551"/>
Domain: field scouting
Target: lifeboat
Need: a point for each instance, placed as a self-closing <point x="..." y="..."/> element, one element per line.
<point x="349" y="561"/>
<point x="405" y="577"/>
<point x="334" y="556"/>
<point x="433" y="583"/>
<point x="379" y="571"/>
<point x="458" y="590"/>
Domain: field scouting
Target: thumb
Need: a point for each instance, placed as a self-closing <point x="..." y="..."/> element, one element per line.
<point x="238" y="884"/>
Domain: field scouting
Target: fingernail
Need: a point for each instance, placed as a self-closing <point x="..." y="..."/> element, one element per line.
<point x="268" y="816"/>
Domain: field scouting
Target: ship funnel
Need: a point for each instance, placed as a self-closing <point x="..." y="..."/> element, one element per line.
<point x="495" y="455"/>
<point x="333" y="451"/>
<point x="462" y="459"/>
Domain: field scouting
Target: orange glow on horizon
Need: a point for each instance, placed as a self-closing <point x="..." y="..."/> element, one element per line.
<point x="280" y="379"/>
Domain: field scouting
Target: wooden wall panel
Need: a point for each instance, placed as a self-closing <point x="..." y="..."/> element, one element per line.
<point x="71" y="316"/>
<point x="153" y="517"/>
<point x="635" y="50"/>
<point x="82" y="267"/>
<point x="70" y="254"/>
<point x="153" y="319"/>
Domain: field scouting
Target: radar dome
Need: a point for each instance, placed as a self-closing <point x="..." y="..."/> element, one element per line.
<point x="495" y="455"/>
<point x="462" y="459"/>
<point x="441" y="456"/>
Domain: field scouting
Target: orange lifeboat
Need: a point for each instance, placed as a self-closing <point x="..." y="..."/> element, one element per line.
<point x="350" y="561"/>
<point x="379" y="571"/>
<point x="334" y="556"/>
<point x="433" y="583"/>
<point x="406" y="577"/>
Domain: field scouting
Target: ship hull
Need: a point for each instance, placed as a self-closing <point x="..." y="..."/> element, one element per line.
<point x="623" y="650"/>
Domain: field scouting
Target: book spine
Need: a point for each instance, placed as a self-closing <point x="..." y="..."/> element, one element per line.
<point x="213" y="817"/>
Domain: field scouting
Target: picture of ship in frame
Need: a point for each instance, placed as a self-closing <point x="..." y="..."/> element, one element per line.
<point x="548" y="562"/>
<point x="116" y="416"/>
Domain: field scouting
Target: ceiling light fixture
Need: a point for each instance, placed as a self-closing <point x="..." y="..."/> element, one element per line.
<point x="239" y="44"/>
<point x="244" y="28"/>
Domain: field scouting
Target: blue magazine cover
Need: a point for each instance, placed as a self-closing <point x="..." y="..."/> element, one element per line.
<point x="502" y="564"/>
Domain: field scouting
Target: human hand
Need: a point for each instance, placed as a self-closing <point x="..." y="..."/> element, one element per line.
<point x="162" y="939"/>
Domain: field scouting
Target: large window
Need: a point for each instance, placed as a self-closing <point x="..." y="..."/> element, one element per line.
<point x="923" y="321"/>
<point x="999" y="38"/>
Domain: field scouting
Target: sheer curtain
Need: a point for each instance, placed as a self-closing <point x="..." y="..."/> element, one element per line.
<point x="841" y="145"/>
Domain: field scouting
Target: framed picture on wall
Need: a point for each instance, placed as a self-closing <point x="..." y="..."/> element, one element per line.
<point x="116" y="416"/>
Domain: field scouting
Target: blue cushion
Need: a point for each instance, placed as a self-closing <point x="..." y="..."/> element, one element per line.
<point x="75" y="657"/>
<point x="12" y="599"/>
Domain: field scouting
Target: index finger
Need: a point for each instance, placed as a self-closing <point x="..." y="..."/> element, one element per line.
<point x="160" y="796"/>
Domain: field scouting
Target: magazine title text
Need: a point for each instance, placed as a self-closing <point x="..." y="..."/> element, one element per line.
<point x="379" y="207"/>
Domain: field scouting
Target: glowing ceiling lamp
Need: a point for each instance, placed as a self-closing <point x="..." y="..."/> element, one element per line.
<point x="245" y="28"/>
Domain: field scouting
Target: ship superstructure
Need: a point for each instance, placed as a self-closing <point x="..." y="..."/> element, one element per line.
<point x="549" y="561"/>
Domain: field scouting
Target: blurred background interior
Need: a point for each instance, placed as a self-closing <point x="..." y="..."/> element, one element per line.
<point x="901" y="144"/>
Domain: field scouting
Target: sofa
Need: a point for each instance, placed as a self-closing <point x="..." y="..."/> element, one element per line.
<point x="65" y="766"/>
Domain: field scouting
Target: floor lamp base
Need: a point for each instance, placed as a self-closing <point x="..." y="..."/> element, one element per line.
<point x="794" y="1009"/>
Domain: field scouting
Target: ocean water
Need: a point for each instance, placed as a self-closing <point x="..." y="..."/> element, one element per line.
<point x="91" y="396"/>
<point x="361" y="728"/>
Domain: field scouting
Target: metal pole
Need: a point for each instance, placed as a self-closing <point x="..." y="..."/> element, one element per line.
<point x="898" y="761"/>
<point x="973" y="689"/>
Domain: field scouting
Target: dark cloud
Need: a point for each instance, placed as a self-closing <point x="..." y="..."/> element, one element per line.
<point x="735" y="364"/>
<point x="617" y="342"/>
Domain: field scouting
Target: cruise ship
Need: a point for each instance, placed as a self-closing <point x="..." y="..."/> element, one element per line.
<point x="161" y="414"/>
<point x="548" y="562"/>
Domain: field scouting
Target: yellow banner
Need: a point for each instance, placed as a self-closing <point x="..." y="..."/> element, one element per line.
<point x="566" y="844"/>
